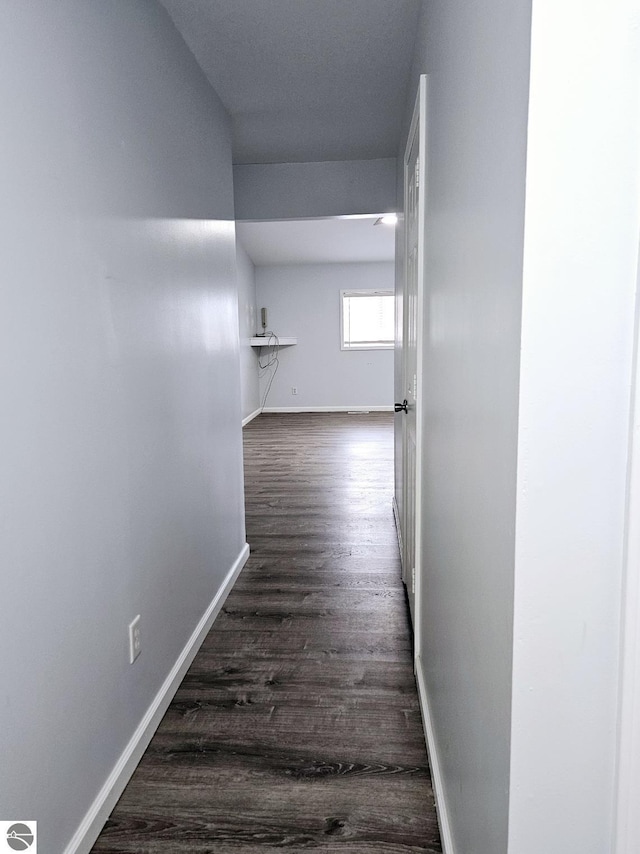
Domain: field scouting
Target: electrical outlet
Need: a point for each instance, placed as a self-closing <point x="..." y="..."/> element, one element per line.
<point x="294" y="389"/>
<point x="134" y="639"/>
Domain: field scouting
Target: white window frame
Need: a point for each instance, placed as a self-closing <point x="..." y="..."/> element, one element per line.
<point x="363" y="292"/>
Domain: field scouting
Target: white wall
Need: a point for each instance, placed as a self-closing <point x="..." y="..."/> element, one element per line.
<point x="328" y="188"/>
<point x="248" y="322"/>
<point x="121" y="485"/>
<point x="580" y="266"/>
<point x="477" y="58"/>
<point x="304" y="301"/>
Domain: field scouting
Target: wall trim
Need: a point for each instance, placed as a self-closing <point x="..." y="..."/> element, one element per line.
<point x="99" y="811"/>
<point x="253" y="415"/>
<point x="328" y="408"/>
<point x="434" y="761"/>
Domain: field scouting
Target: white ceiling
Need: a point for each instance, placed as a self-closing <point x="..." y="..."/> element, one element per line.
<point x="317" y="241"/>
<point x="305" y="80"/>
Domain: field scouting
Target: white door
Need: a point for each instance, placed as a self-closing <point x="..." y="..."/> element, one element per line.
<point x="410" y="407"/>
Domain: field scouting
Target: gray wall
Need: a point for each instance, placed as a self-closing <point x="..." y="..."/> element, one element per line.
<point x="477" y="57"/>
<point x="121" y="487"/>
<point x="582" y="229"/>
<point x="248" y="321"/>
<point x="303" y="190"/>
<point x="304" y="301"/>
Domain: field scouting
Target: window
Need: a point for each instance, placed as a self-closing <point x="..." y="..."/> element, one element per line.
<point x="367" y="320"/>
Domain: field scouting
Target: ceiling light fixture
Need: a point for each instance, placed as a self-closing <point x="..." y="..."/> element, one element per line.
<point x="387" y="219"/>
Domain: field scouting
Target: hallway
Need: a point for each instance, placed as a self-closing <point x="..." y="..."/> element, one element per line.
<point x="297" y="727"/>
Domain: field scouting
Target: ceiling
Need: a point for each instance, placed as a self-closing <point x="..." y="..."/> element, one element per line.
<point x="317" y="241"/>
<point x="305" y="80"/>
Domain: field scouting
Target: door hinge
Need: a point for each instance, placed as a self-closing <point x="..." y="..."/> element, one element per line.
<point x="417" y="174"/>
<point x="413" y="580"/>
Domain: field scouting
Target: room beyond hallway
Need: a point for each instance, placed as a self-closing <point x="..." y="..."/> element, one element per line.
<point x="297" y="726"/>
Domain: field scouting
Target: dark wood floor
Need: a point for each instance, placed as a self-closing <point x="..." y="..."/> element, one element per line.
<point x="297" y="727"/>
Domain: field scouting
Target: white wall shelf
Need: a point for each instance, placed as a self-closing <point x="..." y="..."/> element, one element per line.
<point x="267" y="342"/>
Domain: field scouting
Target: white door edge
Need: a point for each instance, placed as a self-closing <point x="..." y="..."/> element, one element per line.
<point x="627" y="815"/>
<point x="418" y="126"/>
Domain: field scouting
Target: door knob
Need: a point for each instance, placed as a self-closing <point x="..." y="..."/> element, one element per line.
<point x="401" y="407"/>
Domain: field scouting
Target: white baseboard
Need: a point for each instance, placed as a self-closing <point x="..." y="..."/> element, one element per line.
<point x="328" y="409"/>
<point x="434" y="762"/>
<point x="100" y="810"/>
<point x="249" y="418"/>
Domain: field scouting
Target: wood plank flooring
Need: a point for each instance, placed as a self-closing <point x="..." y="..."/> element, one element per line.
<point x="297" y="727"/>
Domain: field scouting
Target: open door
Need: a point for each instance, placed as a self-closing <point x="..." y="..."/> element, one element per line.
<point x="410" y="408"/>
